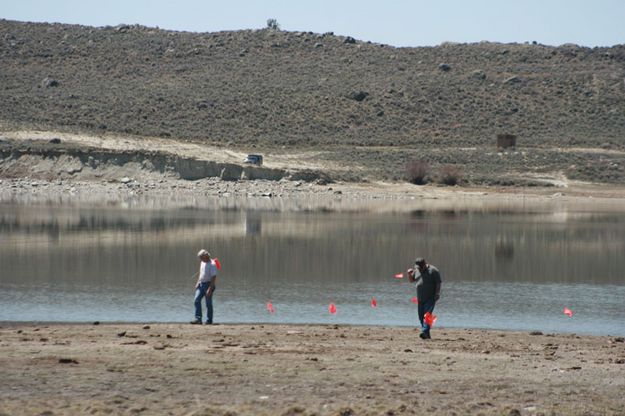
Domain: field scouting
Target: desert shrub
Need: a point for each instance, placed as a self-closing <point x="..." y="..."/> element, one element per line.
<point x="273" y="24"/>
<point x="417" y="171"/>
<point x="450" y="175"/>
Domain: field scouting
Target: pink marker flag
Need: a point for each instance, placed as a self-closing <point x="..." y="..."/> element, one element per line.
<point x="217" y="263"/>
<point x="374" y="303"/>
<point x="414" y="300"/>
<point x="429" y="318"/>
<point x="270" y="308"/>
<point x="399" y="276"/>
<point x="332" y="308"/>
<point x="568" y="312"/>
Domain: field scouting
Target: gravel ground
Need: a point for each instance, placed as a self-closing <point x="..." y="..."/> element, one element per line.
<point x="183" y="369"/>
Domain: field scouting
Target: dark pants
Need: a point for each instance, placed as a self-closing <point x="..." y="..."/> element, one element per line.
<point x="200" y="293"/>
<point x="423" y="307"/>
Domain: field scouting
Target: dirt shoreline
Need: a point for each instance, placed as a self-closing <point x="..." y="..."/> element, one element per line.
<point x="141" y="173"/>
<point x="304" y="369"/>
<point x="213" y="193"/>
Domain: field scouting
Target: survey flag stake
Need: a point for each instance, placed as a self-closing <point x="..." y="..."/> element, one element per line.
<point x="332" y="308"/>
<point x="270" y="308"/>
<point x="217" y="263"/>
<point x="414" y="300"/>
<point x="374" y="303"/>
<point x="429" y="318"/>
<point x="568" y="312"/>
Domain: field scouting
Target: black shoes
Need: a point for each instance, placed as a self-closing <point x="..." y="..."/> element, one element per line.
<point x="199" y="322"/>
<point x="425" y="335"/>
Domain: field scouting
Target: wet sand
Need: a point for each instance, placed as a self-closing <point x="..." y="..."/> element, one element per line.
<point x="252" y="369"/>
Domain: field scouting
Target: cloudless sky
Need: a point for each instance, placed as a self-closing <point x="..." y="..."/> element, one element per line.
<point x="394" y="22"/>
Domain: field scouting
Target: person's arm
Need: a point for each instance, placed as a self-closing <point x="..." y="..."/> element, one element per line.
<point x="437" y="293"/>
<point x="211" y="286"/>
<point x="212" y="270"/>
<point x="411" y="277"/>
<point x="199" y="277"/>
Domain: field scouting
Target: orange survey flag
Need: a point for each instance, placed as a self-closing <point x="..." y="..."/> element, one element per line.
<point x="270" y="308"/>
<point x="429" y="318"/>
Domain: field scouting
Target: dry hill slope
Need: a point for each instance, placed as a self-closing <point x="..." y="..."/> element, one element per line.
<point x="373" y="106"/>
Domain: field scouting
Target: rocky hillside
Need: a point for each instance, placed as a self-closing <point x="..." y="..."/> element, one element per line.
<point x="295" y="90"/>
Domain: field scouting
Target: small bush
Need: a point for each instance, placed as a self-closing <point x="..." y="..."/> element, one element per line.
<point x="450" y="175"/>
<point x="417" y="172"/>
<point x="273" y="24"/>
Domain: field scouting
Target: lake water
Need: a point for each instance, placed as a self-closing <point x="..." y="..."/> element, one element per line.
<point x="502" y="268"/>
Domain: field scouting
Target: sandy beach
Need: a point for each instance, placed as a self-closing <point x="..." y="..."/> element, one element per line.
<point x="251" y="369"/>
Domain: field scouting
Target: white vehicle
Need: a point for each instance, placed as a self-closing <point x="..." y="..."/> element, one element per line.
<point x="254" y="159"/>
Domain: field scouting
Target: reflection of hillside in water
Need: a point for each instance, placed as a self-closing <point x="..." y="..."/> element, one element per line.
<point x="43" y="226"/>
<point x="275" y="249"/>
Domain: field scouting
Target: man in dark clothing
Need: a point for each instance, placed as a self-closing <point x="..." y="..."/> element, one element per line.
<point x="428" y="281"/>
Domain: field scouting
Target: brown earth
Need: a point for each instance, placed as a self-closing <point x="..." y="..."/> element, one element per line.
<point x="256" y="369"/>
<point x="361" y="111"/>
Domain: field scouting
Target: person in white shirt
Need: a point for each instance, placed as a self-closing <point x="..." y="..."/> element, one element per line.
<point x="205" y="287"/>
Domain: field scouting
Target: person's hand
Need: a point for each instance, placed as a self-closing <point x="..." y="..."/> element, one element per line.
<point x="410" y="272"/>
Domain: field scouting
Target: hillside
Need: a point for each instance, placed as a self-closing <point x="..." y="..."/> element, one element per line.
<point x="368" y="106"/>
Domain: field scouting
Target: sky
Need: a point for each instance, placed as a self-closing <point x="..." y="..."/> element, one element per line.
<point x="393" y="22"/>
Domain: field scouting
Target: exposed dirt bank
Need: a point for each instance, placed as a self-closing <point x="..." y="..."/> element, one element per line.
<point x="42" y="155"/>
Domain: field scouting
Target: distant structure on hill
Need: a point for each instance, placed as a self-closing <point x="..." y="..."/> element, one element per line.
<point x="506" y="140"/>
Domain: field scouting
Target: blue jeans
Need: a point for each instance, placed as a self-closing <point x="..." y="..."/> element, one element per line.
<point x="423" y="307"/>
<point x="200" y="293"/>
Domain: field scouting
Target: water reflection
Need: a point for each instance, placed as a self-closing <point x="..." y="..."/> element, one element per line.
<point x="305" y="257"/>
<point x="252" y="223"/>
<point x="472" y="246"/>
